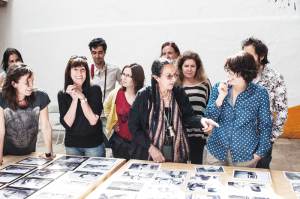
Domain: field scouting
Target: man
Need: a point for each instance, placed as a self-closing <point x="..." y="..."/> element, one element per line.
<point x="103" y="73"/>
<point x="274" y="83"/>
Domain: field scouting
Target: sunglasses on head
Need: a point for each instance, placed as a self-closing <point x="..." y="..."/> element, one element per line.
<point x="76" y="56"/>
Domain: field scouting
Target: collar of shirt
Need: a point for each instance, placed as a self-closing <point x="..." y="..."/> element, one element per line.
<point x="97" y="71"/>
<point x="229" y="95"/>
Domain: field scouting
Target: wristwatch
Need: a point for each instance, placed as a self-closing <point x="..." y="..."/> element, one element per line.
<point x="48" y="155"/>
<point x="83" y="100"/>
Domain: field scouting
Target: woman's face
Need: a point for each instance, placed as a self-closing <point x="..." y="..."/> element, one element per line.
<point x="127" y="80"/>
<point x="25" y="85"/>
<point x="12" y="59"/>
<point x="78" y="75"/>
<point x="234" y="79"/>
<point x="167" y="78"/>
<point x="189" y="69"/>
<point x="169" y="52"/>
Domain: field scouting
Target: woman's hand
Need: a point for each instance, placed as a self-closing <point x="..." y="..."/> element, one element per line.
<point x="223" y="91"/>
<point x="43" y="155"/>
<point x="156" y="155"/>
<point x="256" y="158"/>
<point x="116" y="127"/>
<point x="71" y="91"/>
<point x="208" y="124"/>
<point x="79" y="94"/>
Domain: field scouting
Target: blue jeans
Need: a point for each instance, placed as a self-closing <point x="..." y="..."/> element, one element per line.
<point x="98" y="151"/>
<point x="264" y="163"/>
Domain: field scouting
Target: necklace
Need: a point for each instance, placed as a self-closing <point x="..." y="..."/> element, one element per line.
<point x="167" y="95"/>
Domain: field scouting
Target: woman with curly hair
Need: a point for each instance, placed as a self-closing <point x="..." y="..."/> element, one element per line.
<point x="198" y="88"/>
<point x="237" y="105"/>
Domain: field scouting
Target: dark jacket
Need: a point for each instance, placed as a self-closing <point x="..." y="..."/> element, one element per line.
<point x="138" y="123"/>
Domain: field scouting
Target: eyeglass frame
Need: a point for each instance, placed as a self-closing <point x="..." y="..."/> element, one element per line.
<point x="227" y="70"/>
<point x="126" y="75"/>
<point x="76" y="56"/>
<point x="170" y="77"/>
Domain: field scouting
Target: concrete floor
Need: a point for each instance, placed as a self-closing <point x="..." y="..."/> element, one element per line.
<point x="286" y="152"/>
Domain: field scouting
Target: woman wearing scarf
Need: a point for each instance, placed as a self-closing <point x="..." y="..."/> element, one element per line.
<point x="158" y="116"/>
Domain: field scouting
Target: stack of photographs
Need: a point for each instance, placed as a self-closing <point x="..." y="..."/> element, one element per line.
<point x="294" y="178"/>
<point x="34" y="161"/>
<point x="66" y="163"/>
<point x="249" y="189"/>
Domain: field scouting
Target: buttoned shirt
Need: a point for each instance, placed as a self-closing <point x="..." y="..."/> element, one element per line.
<point x="113" y="76"/>
<point x="274" y="83"/>
<point x="237" y="131"/>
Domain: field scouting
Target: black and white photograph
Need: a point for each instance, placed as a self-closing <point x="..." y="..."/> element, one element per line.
<point x="144" y="166"/>
<point x="31" y="183"/>
<point x="34" y="161"/>
<point x="205" y="177"/>
<point x="96" y="168"/>
<point x="295" y="186"/>
<point x="210" y="169"/>
<point x="137" y="175"/>
<point x="298" y="196"/>
<point x="8" y="177"/>
<point x="247" y="197"/>
<point x="101" y="161"/>
<point x="172" y="174"/>
<point x="67" y="166"/>
<point x="85" y="175"/>
<point x="73" y="159"/>
<point x="52" y="195"/>
<point x="161" y="191"/>
<point x="203" y="187"/>
<point x="252" y="175"/>
<point x="117" y="196"/>
<point x="198" y="196"/>
<point x="17" y="169"/>
<point x="160" y="181"/>
<point x="47" y="174"/>
<point x="67" y="186"/>
<point x="248" y="187"/>
<point x="14" y="193"/>
<point x="292" y="175"/>
<point x="125" y="186"/>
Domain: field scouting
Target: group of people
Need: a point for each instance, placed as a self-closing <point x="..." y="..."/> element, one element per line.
<point x="168" y="121"/>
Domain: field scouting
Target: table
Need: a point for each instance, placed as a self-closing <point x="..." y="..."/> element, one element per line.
<point x="282" y="185"/>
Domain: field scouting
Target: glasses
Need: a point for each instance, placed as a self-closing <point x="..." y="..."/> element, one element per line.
<point x="126" y="75"/>
<point x="170" y="77"/>
<point x="76" y="56"/>
<point x="227" y="70"/>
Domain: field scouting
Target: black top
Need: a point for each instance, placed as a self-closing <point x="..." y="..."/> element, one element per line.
<point x="82" y="134"/>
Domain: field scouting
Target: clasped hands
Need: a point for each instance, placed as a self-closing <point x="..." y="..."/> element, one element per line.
<point x="75" y="92"/>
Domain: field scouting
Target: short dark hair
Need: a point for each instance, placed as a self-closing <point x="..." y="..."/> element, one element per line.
<point x="13" y="74"/>
<point x="138" y="76"/>
<point x="243" y="64"/>
<point x="8" y="52"/>
<point x="172" y="44"/>
<point x="75" y="63"/>
<point x="98" y="42"/>
<point x="260" y="49"/>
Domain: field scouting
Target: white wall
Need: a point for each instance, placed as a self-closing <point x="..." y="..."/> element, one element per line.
<point x="47" y="33"/>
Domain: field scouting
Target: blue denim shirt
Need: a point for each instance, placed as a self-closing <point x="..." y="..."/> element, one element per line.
<point x="237" y="130"/>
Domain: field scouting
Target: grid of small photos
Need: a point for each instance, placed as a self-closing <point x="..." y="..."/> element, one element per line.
<point x="294" y="178"/>
<point x="50" y="182"/>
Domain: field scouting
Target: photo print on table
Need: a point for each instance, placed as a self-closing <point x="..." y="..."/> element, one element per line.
<point x="66" y="166"/>
<point x="298" y="195"/>
<point x="137" y="175"/>
<point x="145" y="166"/>
<point x="125" y="186"/>
<point x="292" y="175"/>
<point x="172" y="174"/>
<point x="198" y="196"/>
<point x="34" y="161"/>
<point x="117" y="196"/>
<point x="203" y="187"/>
<point x="67" y="186"/>
<point x="8" y="177"/>
<point x="73" y="159"/>
<point x="205" y="177"/>
<point x="52" y="195"/>
<point x="252" y="175"/>
<point x="160" y="181"/>
<point x="15" y="193"/>
<point x="295" y="186"/>
<point x="101" y="161"/>
<point x="17" y="169"/>
<point x="247" y="187"/>
<point x="231" y="196"/>
<point x="96" y="168"/>
<point x="160" y="191"/>
<point x="31" y="183"/>
<point x="85" y="175"/>
<point x="210" y="169"/>
<point x="47" y="174"/>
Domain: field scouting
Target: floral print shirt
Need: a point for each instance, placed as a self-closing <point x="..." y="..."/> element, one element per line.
<point x="274" y="83"/>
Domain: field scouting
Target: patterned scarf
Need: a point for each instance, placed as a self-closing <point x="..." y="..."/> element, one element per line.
<point x="157" y="129"/>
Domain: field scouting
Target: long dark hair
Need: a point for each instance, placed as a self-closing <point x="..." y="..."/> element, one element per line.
<point x="13" y="74"/>
<point x="173" y="45"/>
<point x="75" y="63"/>
<point x="138" y="76"/>
<point x="156" y="69"/>
<point x="7" y="53"/>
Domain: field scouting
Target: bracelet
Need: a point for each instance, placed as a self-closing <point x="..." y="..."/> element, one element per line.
<point x="83" y="100"/>
<point x="151" y="145"/>
<point x="48" y="155"/>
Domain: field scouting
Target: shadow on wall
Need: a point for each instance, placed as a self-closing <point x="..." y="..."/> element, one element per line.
<point x="292" y="126"/>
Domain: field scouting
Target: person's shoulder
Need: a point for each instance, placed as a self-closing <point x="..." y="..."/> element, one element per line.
<point x="144" y="91"/>
<point x="40" y="92"/>
<point x="258" y="87"/>
<point x="94" y="86"/>
<point x="111" y="65"/>
<point x="273" y="73"/>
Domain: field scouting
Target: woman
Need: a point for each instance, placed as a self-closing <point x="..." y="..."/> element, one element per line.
<point x="116" y="108"/>
<point x="158" y="117"/>
<point x="21" y="107"/>
<point x="80" y="107"/>
<point x="237" y="104"/>
<point x="198" y="88"/>
<point x="10" y="56"/>
<point x="170" y="50"/>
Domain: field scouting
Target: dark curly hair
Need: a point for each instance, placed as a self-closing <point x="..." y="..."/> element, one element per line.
<point x="173" y="45"/>
<point x="243" y="64"/>
<point x="260" y="49"/>
<point x="138" y="76"/>
<point x="8" y="52"/>
<point x="156" y="69"/>
<point x="98" y="42"/>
